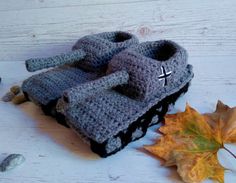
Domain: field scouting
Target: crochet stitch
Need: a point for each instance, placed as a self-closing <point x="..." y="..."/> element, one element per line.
<point x="156" y="71"/>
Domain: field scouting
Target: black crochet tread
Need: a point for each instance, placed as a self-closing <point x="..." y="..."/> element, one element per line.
<point x="142" y="122"/>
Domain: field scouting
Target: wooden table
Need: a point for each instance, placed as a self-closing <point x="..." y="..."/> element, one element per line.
<point x="40" y="28"/>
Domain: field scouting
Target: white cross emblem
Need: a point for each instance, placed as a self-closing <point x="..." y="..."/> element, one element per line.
<point x="164" y="75"/>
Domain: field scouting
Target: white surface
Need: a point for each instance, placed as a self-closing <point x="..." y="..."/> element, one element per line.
<point x="32" y="28"/>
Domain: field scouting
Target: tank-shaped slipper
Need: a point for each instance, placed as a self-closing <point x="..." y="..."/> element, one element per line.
<point x="140" y="84"/>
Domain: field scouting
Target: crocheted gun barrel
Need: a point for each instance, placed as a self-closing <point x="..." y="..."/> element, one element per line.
<point x="79" y="93"/>
<point x="35" y="64"/>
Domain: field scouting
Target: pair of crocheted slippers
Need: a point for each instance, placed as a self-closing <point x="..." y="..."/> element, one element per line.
<point x="110" y="88"/>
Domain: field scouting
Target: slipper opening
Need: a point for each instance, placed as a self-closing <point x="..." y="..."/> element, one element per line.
<point x="165" y="51"/>
<point x="160" y="50"/>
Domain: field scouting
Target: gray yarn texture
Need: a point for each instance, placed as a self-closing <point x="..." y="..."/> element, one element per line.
<point x="86" y="62"/>
<point x="102" y="115"/>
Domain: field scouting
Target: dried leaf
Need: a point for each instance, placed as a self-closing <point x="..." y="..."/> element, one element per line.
<point x="191" y="141"/>
<point x="226" y="117"/>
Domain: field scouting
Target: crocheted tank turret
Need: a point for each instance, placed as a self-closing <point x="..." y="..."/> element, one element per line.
<point x="154" y="68"/>
<point x="91" y="51"/>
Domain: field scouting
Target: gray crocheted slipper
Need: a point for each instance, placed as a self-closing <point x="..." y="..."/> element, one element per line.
<point x="141" y="82"/>
<point x="87" y="61"/>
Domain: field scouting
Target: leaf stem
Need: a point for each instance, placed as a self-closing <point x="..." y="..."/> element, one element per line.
<point x="229" y="152"/>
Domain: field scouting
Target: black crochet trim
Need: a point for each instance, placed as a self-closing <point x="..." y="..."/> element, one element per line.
<point x="50" y="110"/>
<point x="142" y="122"/>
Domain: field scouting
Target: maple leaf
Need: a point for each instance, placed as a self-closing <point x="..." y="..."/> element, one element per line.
<point x="224" y="118"/>
<point x="191" y="141"/>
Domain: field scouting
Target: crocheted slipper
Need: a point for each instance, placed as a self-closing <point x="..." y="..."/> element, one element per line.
<point x="87" y="61"/>
<point x="141" y="82"/>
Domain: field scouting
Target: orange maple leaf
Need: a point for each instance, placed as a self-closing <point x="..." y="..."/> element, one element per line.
<point x="191" y="141"/>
